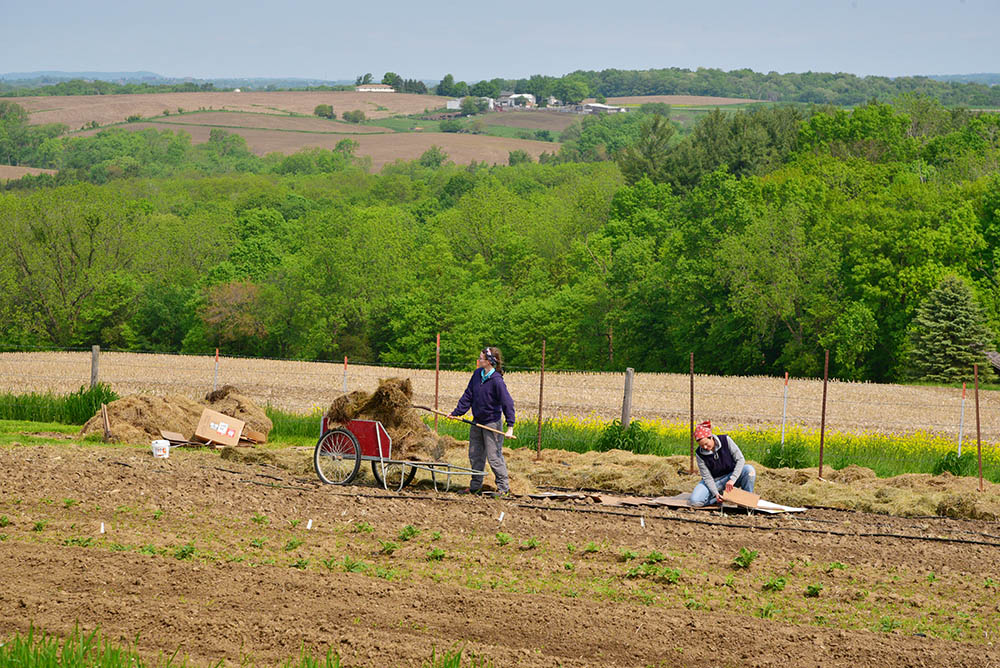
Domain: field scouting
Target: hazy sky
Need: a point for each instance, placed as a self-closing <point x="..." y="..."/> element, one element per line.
<point x="511" y="39"/>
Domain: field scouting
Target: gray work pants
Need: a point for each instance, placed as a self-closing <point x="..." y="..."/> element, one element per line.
<point x="485" y="446"/>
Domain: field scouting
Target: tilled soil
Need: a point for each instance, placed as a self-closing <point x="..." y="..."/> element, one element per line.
<point x="248" y="563"/>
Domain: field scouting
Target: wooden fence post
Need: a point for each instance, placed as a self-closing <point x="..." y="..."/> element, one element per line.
<point x="95" y="354"/>
<point x="541" y="386"/>
<point x="627" y="400"/>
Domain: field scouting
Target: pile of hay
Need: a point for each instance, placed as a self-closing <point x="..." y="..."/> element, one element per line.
<point x="391" y="405"/>
<point x="139" y="418"/>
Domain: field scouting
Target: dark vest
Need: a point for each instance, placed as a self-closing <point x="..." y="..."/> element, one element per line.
<point x="720" y="462"/>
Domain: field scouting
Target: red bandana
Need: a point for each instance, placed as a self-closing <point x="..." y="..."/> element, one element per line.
<point x="702" y="430"/>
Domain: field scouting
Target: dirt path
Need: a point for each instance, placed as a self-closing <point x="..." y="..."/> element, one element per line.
<point x="213" y="557"/>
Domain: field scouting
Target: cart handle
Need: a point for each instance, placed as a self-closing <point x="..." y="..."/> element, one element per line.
<point x="474" y="424"/>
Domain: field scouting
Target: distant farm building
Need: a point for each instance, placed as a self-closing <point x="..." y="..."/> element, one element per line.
<point x="516" y="99"/>
<point x="374" y="88"/>
<point x="454" y="105"/>
<point x="598" y="108"/>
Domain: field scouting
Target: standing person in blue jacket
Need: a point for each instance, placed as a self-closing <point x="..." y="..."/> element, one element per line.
<point x="721" y="464"/>
<point x="487" y="395"/>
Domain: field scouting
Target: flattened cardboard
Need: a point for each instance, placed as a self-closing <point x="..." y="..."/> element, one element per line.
<point x="741" y="497"/>
<point x="215" y="427"/>
<point x="173" y="436"/>
<point x="255" y="436"/>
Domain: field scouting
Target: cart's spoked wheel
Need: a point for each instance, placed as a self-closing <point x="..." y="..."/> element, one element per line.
<point x="337" y="457"/>
<point x="397" y="476"/>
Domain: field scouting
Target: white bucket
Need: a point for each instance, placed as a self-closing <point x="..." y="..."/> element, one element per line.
<point x="161" y="449"/>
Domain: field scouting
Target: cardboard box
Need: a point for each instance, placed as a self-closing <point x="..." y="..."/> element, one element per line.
<point x="214" y="427"/>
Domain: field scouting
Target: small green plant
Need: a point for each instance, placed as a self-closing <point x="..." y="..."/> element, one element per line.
<point x="989" y="583"/>
<point x="888" y="624"/>
<point x="436" y="535"/>
<point x="775" y="584"/>
<point x="40" y="525"/>
<point x="292" y="544"/>
<point x="835" y="566"/>
<point x="767" y="610"/>
<point x="654" y="557"/>
<point x="4" y="521"/>
<point x="931" y="577"/>
<point x="385" y="573"/>
<point x="147" y="549"/>
<point x="627" y="555"/>
<point x="157" y="514"/>
<point x="813" y="590"/>
<point x="352" y="565"/>
<point x="294" y="523"/>
<point x="502" y="538"/>
<point x="118" y="547"/>
<point x="744" y="558"/>
<point x="257" y="542"/>
<point x="790" y="455"/>
<point x="569" y="566"/>
<point x="635" y="438"/>
<point x="436" y="554"/>
<point x="260" y="519"/>
<point x="591" y="547"/>
<point x="69" y="503"/>
<point x="79" y="541"/>
<point x="329" y="562"/>
<point x="184" y="551"/>
<point x="388" y="547"/>
<point x="3" y="537"/>
<point x="408" y="532"/>
<point x="692" y="603"/>
<point x="669" y="575"/>
<point x="730" y="581"/>
<point x="955" y="465"/>
<point x="362" y="527"/>
<point x="301" y="564"/>
<point x="571" y="548"/>
<point x="531" y="543"/>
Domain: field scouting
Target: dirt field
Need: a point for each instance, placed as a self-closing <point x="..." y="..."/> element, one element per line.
<point x="223" y="559"/>
<point x="220" y="119"/>
<point x="383" y="148"/>
<point x="533" y="120"/>
<point x="680" y="100"/>
<point x="77" y="111"/>
<point x="728" y="401"/>
<point x="12" y="172"/>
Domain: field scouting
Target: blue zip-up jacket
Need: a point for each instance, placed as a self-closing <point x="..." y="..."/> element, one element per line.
<point x="487" y="399"/>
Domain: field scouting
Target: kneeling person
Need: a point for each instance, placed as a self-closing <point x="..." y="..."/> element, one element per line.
<point x="722" y="466"/>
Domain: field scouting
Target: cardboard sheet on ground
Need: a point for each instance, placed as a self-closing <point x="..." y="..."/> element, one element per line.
<point x="746" y="499"/>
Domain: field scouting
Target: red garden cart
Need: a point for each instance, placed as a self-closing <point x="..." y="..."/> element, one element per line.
<point x="342" y="447"/>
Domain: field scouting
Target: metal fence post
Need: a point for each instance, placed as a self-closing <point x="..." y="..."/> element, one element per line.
<point x="961" y="421"/>
<point x="691" y="463"/>
<point x="437" y="377"/>
<point x="784" y="411"/>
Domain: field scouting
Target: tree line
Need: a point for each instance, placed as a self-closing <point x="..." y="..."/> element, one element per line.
<point x="756" y="241"/>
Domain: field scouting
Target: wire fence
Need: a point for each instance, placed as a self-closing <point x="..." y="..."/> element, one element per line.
<point x="730" y="402"/>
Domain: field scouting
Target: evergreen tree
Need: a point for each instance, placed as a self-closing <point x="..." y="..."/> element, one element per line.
<point x="948" y="335"/>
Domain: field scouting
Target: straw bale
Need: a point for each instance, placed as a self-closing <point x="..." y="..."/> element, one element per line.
<point x="229" y="401"/>
<point x="139" y="418"/>
<point x="391" y="404"/>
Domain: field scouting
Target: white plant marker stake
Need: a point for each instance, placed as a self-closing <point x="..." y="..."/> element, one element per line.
<point x="501" y="516"/>
<point x="642" y="522"/>
<point x="102" y="527"/>
<point x="309" y="524"/>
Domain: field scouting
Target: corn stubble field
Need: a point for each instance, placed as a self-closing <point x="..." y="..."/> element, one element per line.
<point x="730" y="402"/>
